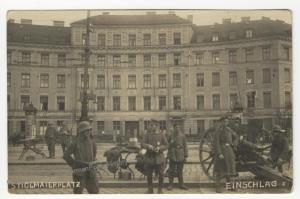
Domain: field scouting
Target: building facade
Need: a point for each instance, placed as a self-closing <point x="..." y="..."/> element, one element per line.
<point x="150" y="66"/>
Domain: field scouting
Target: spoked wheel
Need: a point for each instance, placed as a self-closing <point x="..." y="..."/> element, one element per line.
<point x="206" y="153"/>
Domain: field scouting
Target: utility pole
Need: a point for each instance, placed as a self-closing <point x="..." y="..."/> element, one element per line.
<point x="85" y="97"/>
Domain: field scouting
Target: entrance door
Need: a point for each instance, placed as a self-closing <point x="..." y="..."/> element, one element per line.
<point x="130" y="128"/>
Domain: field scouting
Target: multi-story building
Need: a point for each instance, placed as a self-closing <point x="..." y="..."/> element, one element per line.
<point x="150" y="66"/>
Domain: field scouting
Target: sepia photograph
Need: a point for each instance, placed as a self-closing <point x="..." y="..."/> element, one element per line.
<point x="149" y="101"/>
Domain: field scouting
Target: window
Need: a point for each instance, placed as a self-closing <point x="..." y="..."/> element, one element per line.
<point x="267" y="99"/>
<point x="25" y="83"/>
<point x="116" y="103"/>
<point x="147" y="81"/>
<point x="232" y="78"/>
<point x="100" y="103"/>
<point x="132" y="40"/>
<point x="9" y="57"/>
<point x="131" y="60"/>
<point x="44" y="80"/>
<point x="287" y="99"/>
<point x="232" y="56"/>
<point x="147" y="60"/>
<point x="116" y="61"/>
<point x="60" y="103"/>
<point x="83" y="39"/>
<point x="249" y="54"/>
<point x="287" y="75"/>
<point x="101" y="81"/>
<point x="131" y="103"/>
<point x="233" y="100"/>
<point x="132" y="81"/>
<point x="215" y="57"/>
<point x="199" y="59"/>
<point x="200" y="127"/>
<point x="61" y="59"/>
<point x="176" y="80"/>
<point x="266" y="76"/>
<point x="162" y="102"/>
<point x="43" y="127"/>
<point x="162" y="80"/>
<point x="26" y="38"/>
<point x="162" y="39"/>
<point x="147" y="39"/>
<point x="9" y="79"/>
<point x="162" y="125"/>
<point x="45" y="59"/>
<point x="249" y="77"/>
<point x="61" y="81"/>
<point x="25" y="100"/>
<point x="147" y="103"/>
<point x="216" y="101"/>
<point x="117" y="126"/>
<point x="116" y="40"/>
<point x="83" y="57"/>
<point x="177" y="38"/>
<point x="215" y="79"/>
<point x="146" y="125"/>
<point x="249" y="33"/>
<point x="101" y="40"/>
<point x="100" y="127"/>
<point x="177" y="59"/>
<point x="200" y="102"/>
<point x="266" y="54"/>
<point x="232" y="35"/>
<point x="215" y="36"/>
<point x="87" y="81"/>
<point x="162" y="60"/>
<point x="251" y="99"/>
<point x="286" y="53"/>
<point x="177" y="103"/>
<point x="200" y="79"/>
<point x="44" y="103"/>
<point x="101" y="61"/>
<point x="26" y="58"/>
<point x="117" y="82"/>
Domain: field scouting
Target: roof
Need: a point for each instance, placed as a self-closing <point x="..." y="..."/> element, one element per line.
<point x="28" y="33"/>
<point x="119" y="20"/>
<point x="260" y="28"/>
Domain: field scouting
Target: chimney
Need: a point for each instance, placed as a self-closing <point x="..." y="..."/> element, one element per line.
<point x="26" y="21"/>
<point x="171" y="12"/>
<point x="190" y="18"/>
<point x="59" y="23"/>
<point x="151" y="13"/>
<point x="11" y="21"/>
<point x="226" y="21"/>
<point x="105" y="13"/>
<point x="246" y="20"/>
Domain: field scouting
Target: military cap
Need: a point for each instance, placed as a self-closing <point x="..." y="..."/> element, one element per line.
<point x="277" y="128"/>
<point x="83" y="126"/>
<point x="223" y="118"/>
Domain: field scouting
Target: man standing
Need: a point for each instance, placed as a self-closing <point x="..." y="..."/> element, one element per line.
<point x="280" y="148"/>
<point x="84" y="151"/>
<point x="225" y="141"/>
<point x="155" y="144"/>
<point x="50" y="137"/>
<point x="177" y="154"/>
<point x="65" y="137"/>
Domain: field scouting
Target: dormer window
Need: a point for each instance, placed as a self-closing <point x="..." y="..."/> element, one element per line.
<point x="232" y="35"/>
<point x="249" y="33"/>
<point x="215" y="36"/>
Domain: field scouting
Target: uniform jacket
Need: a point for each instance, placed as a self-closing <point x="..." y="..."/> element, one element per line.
<point x="50" y="134"/>
<point x="178" y="150"/>
<point x="156" y="140"/>
<point x="280" y="148"/>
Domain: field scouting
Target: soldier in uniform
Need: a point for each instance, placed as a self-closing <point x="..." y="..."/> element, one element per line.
<point x="50" y="137"/>
<point x="225" y="141"/>
<point x="65" y="137"/>
<point x="84" y="151"/>
<point x="177" y="155"/>
<point x="155" y="144"/>
<point x="280" y="148"/>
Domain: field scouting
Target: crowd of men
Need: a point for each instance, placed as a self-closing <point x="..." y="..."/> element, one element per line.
<point x="81" y="153"/>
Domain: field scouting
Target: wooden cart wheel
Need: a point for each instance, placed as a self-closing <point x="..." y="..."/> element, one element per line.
<point x="206" y="153"/>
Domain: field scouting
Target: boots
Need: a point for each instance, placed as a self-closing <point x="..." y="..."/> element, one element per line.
<point x="160" y="183"/>
<point x="150" y="184"/>
<point x="171" y="179"/>
<point x="181" y="184"/>
<point x="218" y="185"/>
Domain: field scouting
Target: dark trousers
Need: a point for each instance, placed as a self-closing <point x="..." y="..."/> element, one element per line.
<point x="63" y="146"/>
<point x="176" y="170"/>
<point x="88" y="180"/>
<point x="158" y="169"/>
<point x="51" y="148"/>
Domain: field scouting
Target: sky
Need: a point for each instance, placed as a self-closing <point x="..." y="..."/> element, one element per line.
<point x="200" y="17"/>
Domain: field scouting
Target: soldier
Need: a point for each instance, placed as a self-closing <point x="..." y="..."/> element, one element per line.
<point x="65" y="137"/>
<point x="280" y="148"/>
<point x="84" y="151"/>
<point x="155" y="144"/>
<point x="50" y="137"/>
<point x="177" y="155"/>
<point x="225" y="143"/>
